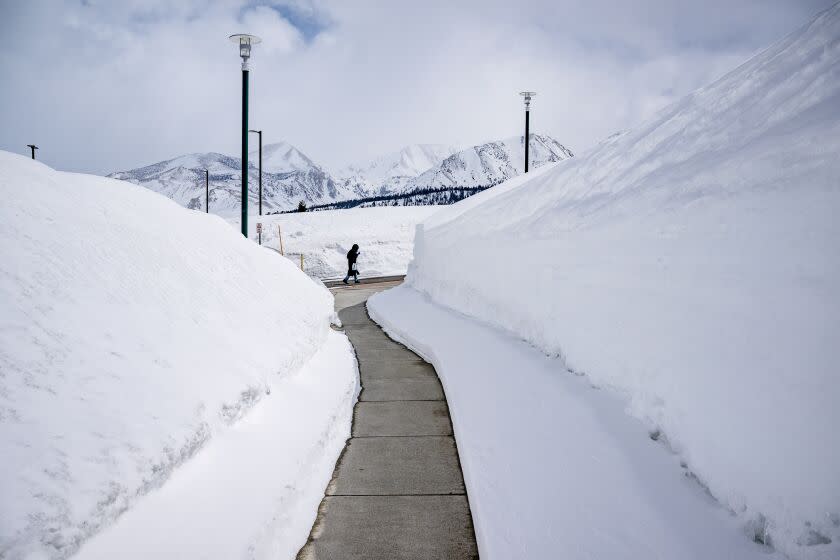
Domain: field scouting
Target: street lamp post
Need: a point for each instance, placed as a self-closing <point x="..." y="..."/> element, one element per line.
<point x="32" y="147"/>
<point x="207" y="191"/>
<point x="260" y="133"/>
<point x="245" y="41"/>
<point x="527" y="95"/>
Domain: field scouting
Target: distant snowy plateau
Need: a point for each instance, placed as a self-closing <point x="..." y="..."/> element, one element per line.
<point x="289" y="176"/>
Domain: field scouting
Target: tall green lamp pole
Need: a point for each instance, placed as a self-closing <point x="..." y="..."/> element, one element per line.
<point x="245" y="41"/>
<point x="260" y="133"/>
<point x="528" y="95"/>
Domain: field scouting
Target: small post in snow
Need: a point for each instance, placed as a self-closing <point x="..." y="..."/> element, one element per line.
<point x="280" y="236"/>
<point x="527" y="95"/>
<point x="259" y="232"/>
<point x="32" y="147"/>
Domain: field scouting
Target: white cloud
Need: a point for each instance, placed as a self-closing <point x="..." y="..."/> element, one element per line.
<point x="277" y="34"/>
<point x="112" y="85"/>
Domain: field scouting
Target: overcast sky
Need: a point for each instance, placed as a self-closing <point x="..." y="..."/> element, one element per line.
<point x="105" y="85"/>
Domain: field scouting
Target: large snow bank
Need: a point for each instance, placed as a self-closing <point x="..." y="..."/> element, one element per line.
<point x="693" y="264"/>
<point x="385" y="236"/>
<point x="132" y="332"/>
<point x="255" y="490"/>
<point x="553" y="468"/>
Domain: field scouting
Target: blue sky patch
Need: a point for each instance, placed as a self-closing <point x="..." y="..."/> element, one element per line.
<point x="309" y="22"/>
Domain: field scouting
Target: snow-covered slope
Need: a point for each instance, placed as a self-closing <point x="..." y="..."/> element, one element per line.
<point x="132" y="334"/>
<point x="281" y="157"/>
<point x="692" y="264"/>
<point x="289" y="176"/>
<point x="553" y="468"/>
<point x="384" y="235"/>
<point x="389" y="173"/>
<point x="489" y="164"/>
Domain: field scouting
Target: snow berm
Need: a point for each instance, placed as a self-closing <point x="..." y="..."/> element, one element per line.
<point x="691" y="264"/>
<point x="133" y="335"/>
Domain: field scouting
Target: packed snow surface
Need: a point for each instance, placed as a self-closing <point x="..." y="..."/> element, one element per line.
<point x="385" y="237"/>
<point x="253" y="492"/>
<point x="134" y="335"/>
<point x="553" y="468"/>
<point x="692" y="264"/>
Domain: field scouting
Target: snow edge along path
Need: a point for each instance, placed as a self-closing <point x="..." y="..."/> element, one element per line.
<point x="692" y="264"/>
<point x="240" y="496"/>
<point x="133" y="332"/>
<point x="553" y="466"/>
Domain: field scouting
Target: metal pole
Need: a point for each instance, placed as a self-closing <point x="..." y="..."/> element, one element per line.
<point x="207" y="191"/>
<point x="32" y="147"/>
<point x="527" y="95"/>
<point x="527" y="136"/>
<point x="245" y="152"/>
<point x="260" y="195"/>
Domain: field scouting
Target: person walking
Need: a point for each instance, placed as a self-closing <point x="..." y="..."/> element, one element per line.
<point x="352" y="255"/>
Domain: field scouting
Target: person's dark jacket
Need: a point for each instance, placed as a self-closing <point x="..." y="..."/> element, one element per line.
<point x="352" y="255"/>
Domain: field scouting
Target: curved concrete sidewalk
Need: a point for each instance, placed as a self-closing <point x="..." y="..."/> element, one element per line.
<point x="397" y="490"/>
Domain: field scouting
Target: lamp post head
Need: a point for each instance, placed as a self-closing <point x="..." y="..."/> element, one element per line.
<point x="245" y="41"/>
<point x="528" y="95"/>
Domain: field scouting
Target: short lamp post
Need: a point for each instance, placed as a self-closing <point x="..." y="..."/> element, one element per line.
<point x="32" y="147"/>
<point x="528" y="95"/>
<point x="207" y="191"/>
<point x="245" y="41"/>
<point x="260" y="133"/>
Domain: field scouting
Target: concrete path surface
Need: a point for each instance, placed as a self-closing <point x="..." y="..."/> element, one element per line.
<point x="397" y="491"/>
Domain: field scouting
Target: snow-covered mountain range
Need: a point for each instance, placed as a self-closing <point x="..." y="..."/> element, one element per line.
<point x="391" y="172"/>
<point x="490" y="163"/>
<point x="290" y="176"/>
